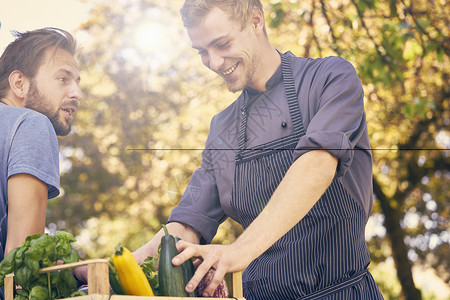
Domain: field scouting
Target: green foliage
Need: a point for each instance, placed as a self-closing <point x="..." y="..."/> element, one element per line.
<point x="40" y="251"/>
<point x="149" y="266"/>
<point x="276" y="15"/>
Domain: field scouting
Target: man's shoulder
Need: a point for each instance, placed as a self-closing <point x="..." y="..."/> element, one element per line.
<point x="328" y="61"/>
<point x="313" y="69"/>
<point x="15" y="115"/>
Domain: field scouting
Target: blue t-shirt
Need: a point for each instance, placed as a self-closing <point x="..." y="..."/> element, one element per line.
<point x="28" y="144"/>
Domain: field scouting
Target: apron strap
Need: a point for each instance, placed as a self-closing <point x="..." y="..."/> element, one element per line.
<point x="333" y="289"/>
<point x="291" y="95"/>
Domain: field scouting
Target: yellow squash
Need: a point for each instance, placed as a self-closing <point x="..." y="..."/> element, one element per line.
<point x="130" y="274"/>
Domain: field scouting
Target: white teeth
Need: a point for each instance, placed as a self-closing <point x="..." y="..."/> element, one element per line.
<point x="230" y="70"/>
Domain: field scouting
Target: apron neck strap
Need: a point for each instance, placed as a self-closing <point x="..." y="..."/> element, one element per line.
<point x="291" y="95"/>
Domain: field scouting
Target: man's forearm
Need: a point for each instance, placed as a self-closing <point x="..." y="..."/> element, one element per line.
<point x="27" y="205"/>
<point x="303" y="185"/>
<point x="176" y="229"/>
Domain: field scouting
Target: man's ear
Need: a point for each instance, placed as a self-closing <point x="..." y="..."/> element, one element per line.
<point x="19" y="84"/>
<point x="257" y="19"/>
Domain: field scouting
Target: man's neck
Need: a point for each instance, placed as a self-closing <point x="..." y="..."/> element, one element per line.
<point x="10" y="102"/>
<point x="268" y="65"/>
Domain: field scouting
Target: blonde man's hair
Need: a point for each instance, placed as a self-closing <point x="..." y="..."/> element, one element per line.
<point x="193" y="11"/>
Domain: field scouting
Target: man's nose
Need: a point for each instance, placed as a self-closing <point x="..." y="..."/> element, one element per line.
<point x="75" y="92"/>
<point x="215" y="62"/>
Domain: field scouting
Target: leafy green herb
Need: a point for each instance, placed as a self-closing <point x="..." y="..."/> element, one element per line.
<point x="38" y="293"/>
<point x="150" y="271"/>
<point x="40" y="251"/>
<point x="77" y="294"/>
<point x="7" y="265"/>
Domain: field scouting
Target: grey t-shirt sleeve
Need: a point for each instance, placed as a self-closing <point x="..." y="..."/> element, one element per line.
<point x="34" y="151"/>
<point x="338" y="119"/>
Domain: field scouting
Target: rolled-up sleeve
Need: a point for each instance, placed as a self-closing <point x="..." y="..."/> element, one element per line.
<point x="336" y="105"/>
<point x="199" y="206"/>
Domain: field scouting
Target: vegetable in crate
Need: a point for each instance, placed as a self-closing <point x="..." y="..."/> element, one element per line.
<point x="130" y="273"/>
<point x="171" y="278"/>
<point x="149" y="266"/>
<point x="221" y="290"/>
<point x="114" y="280"/>
<point x="188" y="271"/>
<point x="40" y="251"/>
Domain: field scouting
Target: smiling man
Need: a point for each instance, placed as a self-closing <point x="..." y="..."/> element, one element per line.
<point x="289" y="160"/>
<point x="39" y="95"/>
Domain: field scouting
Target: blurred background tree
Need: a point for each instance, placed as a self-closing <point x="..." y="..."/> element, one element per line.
<point x="148" y="103"/>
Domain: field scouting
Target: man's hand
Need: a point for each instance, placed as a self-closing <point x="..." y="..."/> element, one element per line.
<point x="304" y="183"/>
<point x="81" y="273"/>
<point x="223" y="258"/>
<point x="183" y="231"/>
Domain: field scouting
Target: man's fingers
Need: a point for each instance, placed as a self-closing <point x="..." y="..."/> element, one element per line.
<point x="186" y="251"/>
<point x="197" y="263"/>
<point x="198" y="276"/>
<point x="181" y="245"/>
<point x="215" y="281"/>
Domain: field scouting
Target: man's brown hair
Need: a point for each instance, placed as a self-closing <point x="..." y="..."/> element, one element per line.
<point x="193" y="11"/>
<point x="26" y="52"/>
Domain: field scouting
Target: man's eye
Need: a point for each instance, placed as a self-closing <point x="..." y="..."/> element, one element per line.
<point x="62" y="79"/>
<point x="224" y="45"/>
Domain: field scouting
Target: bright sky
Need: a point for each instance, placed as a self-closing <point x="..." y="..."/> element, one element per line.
<point x="24" y="15"/>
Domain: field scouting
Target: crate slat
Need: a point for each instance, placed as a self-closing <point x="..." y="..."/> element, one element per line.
<point x="98" y="282"/>
<point x="124" y="297"/>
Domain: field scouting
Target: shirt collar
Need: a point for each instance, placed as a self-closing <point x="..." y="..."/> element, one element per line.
<point x="276" y="78"/>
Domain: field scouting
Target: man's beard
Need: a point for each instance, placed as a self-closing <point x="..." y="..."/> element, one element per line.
<point x="36" y="101"/>
<point x="247" y="79"/>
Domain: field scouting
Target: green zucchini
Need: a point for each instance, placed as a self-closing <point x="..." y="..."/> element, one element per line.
<point x="114" y="280"/>
<point x="188" y="271"/>
<point x="171" y="278"/>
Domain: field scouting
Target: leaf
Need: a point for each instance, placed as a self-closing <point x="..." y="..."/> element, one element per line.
<point x="20" y="255"/>
<point x="23" y="276"/>
<point x="30" y="238"/>
<point x="66" y="284"/>
<point x="33" y="255"/>
<point x="39" y="293"/>
<point x="150" y="271"/>
<point x="63" y="247"/>
<point x="71" y="257"/>
<point x="22" y="292"/>
<point x="411" y="50"/>
<point x="276" y="15"/>
<point x="8" y="263"/>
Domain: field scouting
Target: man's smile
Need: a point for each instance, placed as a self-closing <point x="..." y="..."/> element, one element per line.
<point x="230" y="70"/>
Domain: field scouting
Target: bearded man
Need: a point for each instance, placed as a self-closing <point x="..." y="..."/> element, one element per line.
<point x="39" y="95"/>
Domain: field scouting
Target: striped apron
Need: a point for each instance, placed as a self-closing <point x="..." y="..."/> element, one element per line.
<point x="325" y="255"/>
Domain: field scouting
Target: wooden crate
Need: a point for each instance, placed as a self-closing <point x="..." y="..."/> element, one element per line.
<point x="98" y="281"/>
